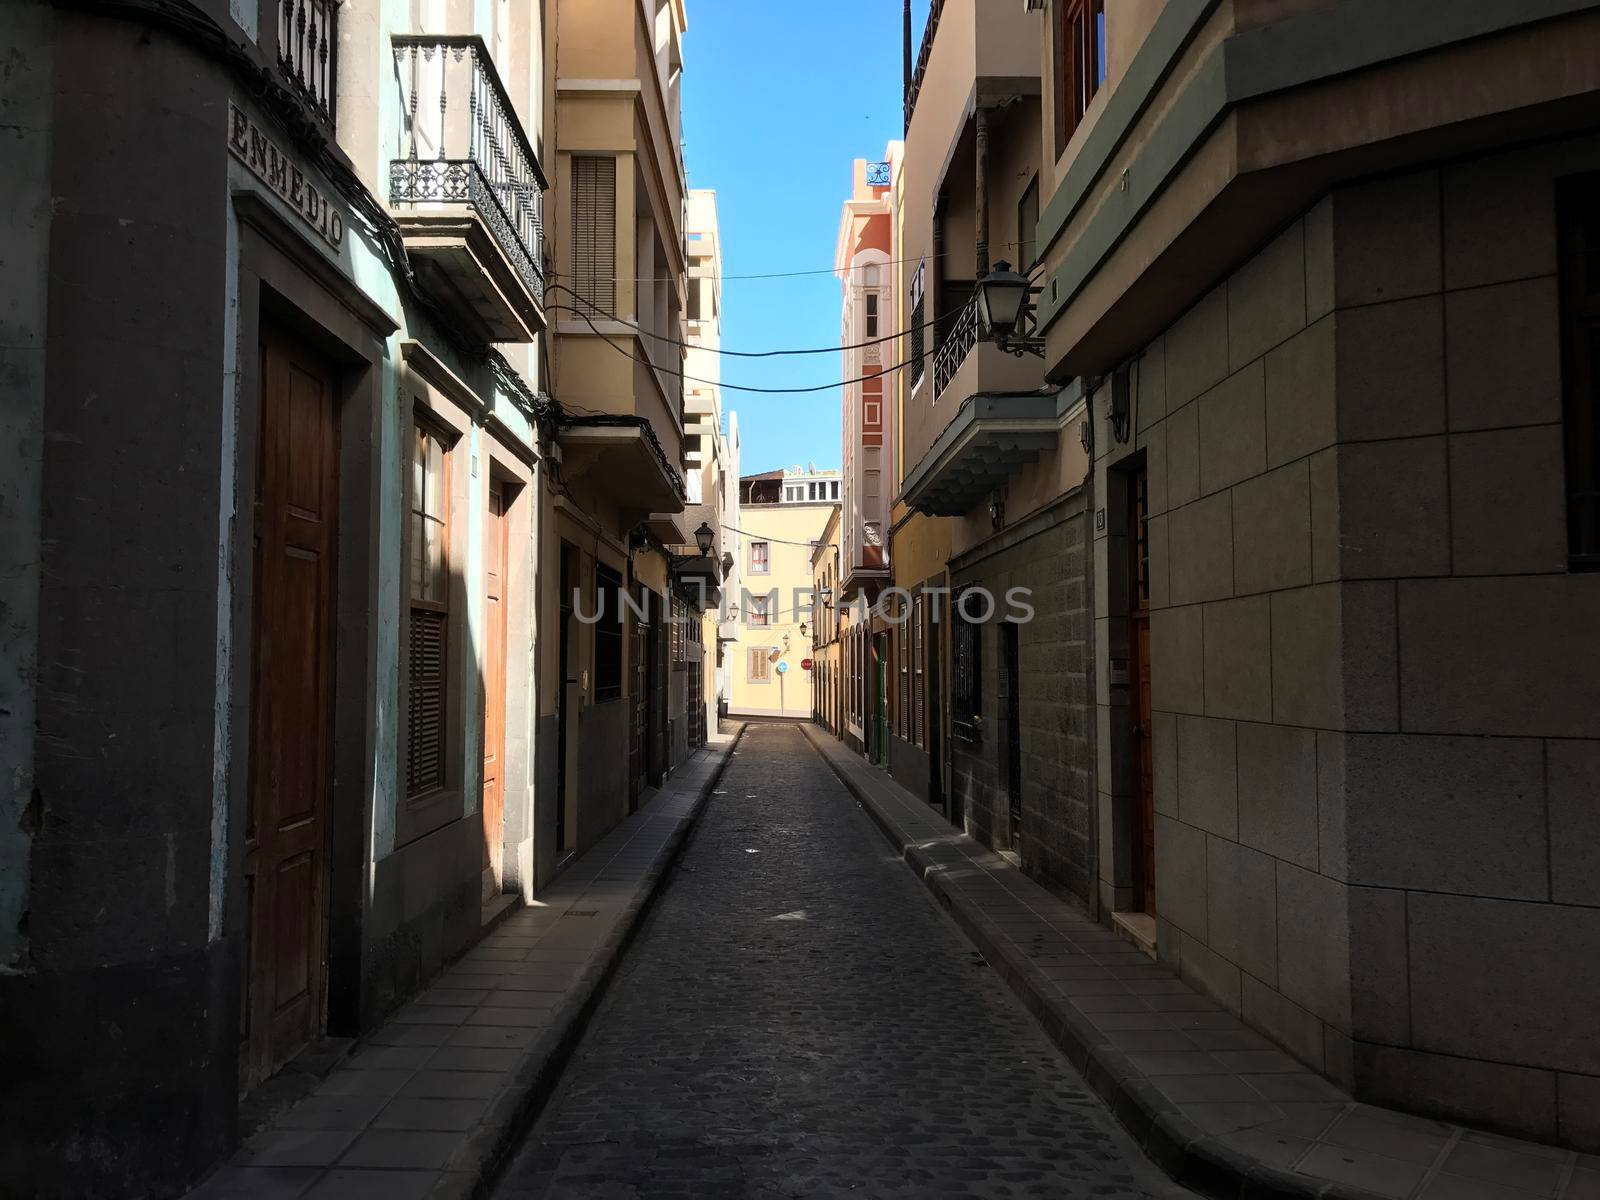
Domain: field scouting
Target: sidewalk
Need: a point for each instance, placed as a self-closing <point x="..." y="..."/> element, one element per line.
<point x="1219" y="1107"/>
<point x="431" y="1103"/>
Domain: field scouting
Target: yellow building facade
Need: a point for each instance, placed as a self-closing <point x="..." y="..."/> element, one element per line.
<point x="775" y="609"/>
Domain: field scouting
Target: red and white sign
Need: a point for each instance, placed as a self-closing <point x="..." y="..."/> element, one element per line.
<point x="805" y="664"/>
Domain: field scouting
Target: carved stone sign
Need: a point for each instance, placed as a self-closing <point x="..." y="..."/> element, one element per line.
<point x="255" y="149"/>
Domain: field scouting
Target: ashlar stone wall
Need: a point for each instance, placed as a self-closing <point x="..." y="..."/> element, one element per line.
<point x="1376" y="709"/>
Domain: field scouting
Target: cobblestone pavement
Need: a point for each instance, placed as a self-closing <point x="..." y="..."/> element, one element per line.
<point x="797" y="1018"/>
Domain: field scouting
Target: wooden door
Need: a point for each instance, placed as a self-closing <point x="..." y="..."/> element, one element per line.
<point x="660" y="675"/>
<point x="567" y="681"/>
<point x="285" y="857"/>
<point x="639" y="732"/>
<point x="1144" y="848"/>
<point x="494" y="690"/>
<point x="1011" y="700"/>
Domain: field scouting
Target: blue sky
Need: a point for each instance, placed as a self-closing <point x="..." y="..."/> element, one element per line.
<point x="774" y="114"/>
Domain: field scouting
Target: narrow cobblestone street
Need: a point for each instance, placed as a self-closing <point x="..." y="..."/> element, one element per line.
<point x="798" y="1019"/>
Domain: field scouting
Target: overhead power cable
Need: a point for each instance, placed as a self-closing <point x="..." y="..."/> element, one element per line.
<point x="602" y="313"/>
<point x="893" y="262"/>
<point x="734" y="387"/>
<point x="761" y="537"/>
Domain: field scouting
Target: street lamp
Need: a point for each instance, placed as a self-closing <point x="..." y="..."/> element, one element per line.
<point x="703" y="538"/>
<point x="827" y="596"/>
<point x="1002" y="305"/>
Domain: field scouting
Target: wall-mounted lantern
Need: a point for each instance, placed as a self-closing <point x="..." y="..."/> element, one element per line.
<point x="1005" y="311"/>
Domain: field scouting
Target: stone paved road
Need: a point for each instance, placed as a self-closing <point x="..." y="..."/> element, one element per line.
<point x="797" y="1018"/>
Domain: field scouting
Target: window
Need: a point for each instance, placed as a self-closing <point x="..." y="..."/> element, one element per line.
<point x="872" y="314"/>
<point x="967" y="684"/>
<point x="594" y="229"/>
<point x="428" y="623"/>
<point x="758" y="667"/>
<point x="760" y="614"/>
<point x="813" y="491"/>
<point x="607" y="635"/>
<point x="835" y="487"/>
<point x="760" y="558"/>
<point x="697" y="309"/>
<point x="1028" y="225"/>
<point x="918" y="341"/>
<point x="1579" y="209"/>
<point x="1080" y="57"/>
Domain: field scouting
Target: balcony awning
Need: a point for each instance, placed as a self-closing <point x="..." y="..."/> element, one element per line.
<point x="668" y="528"/>
<point x="990" y="439"/>
<point x="627" y="454"/>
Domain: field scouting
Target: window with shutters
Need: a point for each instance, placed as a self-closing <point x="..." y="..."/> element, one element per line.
<point x="760" y="558"/>
<point x="966" y="698"/>
<point x="758" y="667"/>
<point x="760" y="614"/>
<point x="607" y="635"/>
<point x="1579" y="201"/>
<point x="428" y="615"/>
<point x="919" y="698"/>
<point x="594" y="230"/>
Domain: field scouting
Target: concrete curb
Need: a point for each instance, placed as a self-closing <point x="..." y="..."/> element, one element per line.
<point x="1179" y="1147"/>
<point x="476" y="1166"/>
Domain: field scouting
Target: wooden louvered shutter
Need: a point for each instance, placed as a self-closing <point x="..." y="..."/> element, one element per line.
<point x="594" y="231"/>
<point x="428" y="623"/>
<point x="425" y="703"/>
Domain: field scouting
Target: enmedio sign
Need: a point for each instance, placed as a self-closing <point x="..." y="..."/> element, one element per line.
<point x="268" y="163"/>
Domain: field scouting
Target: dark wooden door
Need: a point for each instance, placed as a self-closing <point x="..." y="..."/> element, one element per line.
<point x="659" y="645"/>
<point x="568" y="681"/>
<point x="880" y="699"/>
<point x="1144" y="849"/>
<point x="1011" y="682"/>
<point x="285" y="857"/>
<point x="494" y="690"/>
<point x="639" y="722"/>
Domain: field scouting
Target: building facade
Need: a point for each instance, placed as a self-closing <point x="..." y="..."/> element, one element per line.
<point x="1339" y="349"/>
<point x="826" y="684"/>
<point x="774" y="604"/>
<point x="399" y="420"/>
<point x="863" y="262"/>
<point x="613" y="671"/>
<point x="995" y="451"/>
<point x="710" y="455"/>
<point x="279" y="708"/>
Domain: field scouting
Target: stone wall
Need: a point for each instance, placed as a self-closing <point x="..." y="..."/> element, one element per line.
<point x="1376" y="755"/>
<point x="1043" y="553"/>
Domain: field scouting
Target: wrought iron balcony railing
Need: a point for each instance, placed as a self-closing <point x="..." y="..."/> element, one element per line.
<point x="949" y="357"/>
<point x="463" y="144"/>
<point x="308" y="43"/>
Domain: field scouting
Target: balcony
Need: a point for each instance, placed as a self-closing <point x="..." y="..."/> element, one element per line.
<point x="308" y="42"/>
<point x="468" y="193"/>
<point x="989" y="440"/>
<point x="948" y="358"/>
<point x="963" y="366"/>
